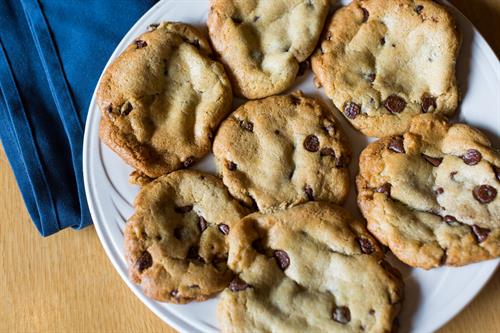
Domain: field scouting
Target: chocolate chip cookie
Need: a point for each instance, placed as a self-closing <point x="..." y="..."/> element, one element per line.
<point x="175" y="243"/>
<point x="310" y="268"/>
<point x="281" y="151"/>
<point x="262" y="42"/>
<point x="382" y="62"/>
<point x="162" y="98"/>
<point x="431" y="195"/>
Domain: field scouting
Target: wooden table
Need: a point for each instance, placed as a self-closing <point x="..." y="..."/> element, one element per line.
<point x="65" y="283"/>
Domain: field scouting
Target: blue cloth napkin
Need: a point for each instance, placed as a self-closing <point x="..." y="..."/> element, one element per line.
<point x="51" y="55"/>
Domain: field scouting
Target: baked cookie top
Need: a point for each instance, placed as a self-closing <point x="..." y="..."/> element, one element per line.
<point x="162" y="98"/>
<point x="175" y="243"/>
<point x="262" y="42"/>
<point x="281" y="151"/>
<point x="431" y="195"/>
<point x="382" y="62"/>
<point x="310" y="268"/>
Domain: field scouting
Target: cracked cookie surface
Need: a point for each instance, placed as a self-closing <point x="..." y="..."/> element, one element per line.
<point x="162" y="98"/>
<point x="281" y="151"/>
<point x="431" y="194"/>
<point x="382" y="62"/>
<point x="262" y="42"/>
<point x="310" y="268"/>
<point x="175" y="243"/>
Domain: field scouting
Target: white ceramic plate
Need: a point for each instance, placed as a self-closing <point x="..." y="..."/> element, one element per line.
<point x="432" y="297"/>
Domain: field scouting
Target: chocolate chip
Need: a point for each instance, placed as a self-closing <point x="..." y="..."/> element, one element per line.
<point x="439" y="190"/>
<point x="352" y="110"/>
<point x="385" y="189"/>
<point x="246" y="125"/>
<point x="472" y="157"/>
<point x="282" y="259"/>
<point x="237" y="20"/>
<point x="435" y="161"/>
<point x="224" y="228"/>
<point x="365" y="245"/>
<point x="309" y="193"/>
<point x="397" y="144"/>
<point x="183" y="209"/>
<point x="327" y="152"/>
<point x="193" y="254"/>
<point x="372" y="312"/>
<point x="311" y="143"/>
<point x="480" y="233"/>
<point x="496" y="170"/>
<point x="277" y="132"/>
<point x="366" y="14"/>
<point x="174" y="293"/>
<point x="428" y="102"/>
<point x="303" y="67"/>
<point x="188" y="162"/>
<point x="231" y="166"/>
<point x="451" y="220"/>
<point x="202" y="224"/>
<point x="371" y="77"/>
<point x="126" y="108"/>
<point x="394" y="104"/>
<point x="484" y="193"/>
<point x="452" y="174"/>
<point x="341" y="314"/>
<point x="178" y="233"/>
<point x="140" y="43"/>
<point x="153" y="26"/>
<point x="144" y="262"/>
<point x="238" y="285"/>
<point x="419" y="9"/>
<point x="382" y="40"/>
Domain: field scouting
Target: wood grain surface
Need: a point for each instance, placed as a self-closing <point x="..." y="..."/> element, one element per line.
<point x="65" y="283"/>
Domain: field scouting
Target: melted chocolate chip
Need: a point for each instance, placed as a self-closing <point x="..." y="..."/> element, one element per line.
<point x="472" y="157"/>
<point x="365" y="245"/>
<point x="372" y="312"/>
<point x="371" y="77"/>
<point x="451" y="220"/>
<point x="224" y="228"/>
<point x="382" y="41"/>
<point x="309" y="193"/>
<point x="428" y="104"/>
<point x="231" y="166"/>
<point x="419" y="9"/>
<point x="480" y="233"/>
<point x="183" y="209"/>
<point x="311" y="143"/>
<point x="246" y="125"/>
<point x="327" y="152"/>
<point x="238" y="285"/>
<point x="341" y="314"/>
<point x="282" y="259"/>
<point x="366" y="14"/>
<point x="385" y="189"/>
<point x="397" y="144"/>
<point x="435" y="161"/>
<point x="188" y="162"/>
<point x="439" y="190"/>
<point x="352" y="110"/>
<point x="144" y="262"/>
<point x="452" y="174"/>
<point x="484" y="193"/>
<point x="202" y="224"/>
<point x="140" y="43"/>
<point x="394" y="104"/>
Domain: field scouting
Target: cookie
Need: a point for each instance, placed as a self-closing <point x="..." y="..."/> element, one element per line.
<point x="383" y="62"/>
<point x="162" y="98"/>
<point x="431" y="194"/>
<point x="310" y="268"/>
<point x="281" y="151"/>
<point x="175" y="242"/>
<point x="262" y="43"/>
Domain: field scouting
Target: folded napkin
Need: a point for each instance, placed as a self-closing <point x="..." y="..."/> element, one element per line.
<point x="51" y="55"/>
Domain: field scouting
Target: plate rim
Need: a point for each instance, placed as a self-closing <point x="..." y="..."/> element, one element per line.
<point x="174" y="321"/>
